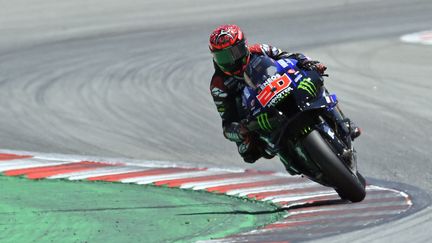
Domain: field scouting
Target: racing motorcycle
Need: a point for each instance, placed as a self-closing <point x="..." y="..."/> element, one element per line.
<point x="290" y="108"/>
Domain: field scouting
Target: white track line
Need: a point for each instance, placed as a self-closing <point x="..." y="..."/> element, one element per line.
<point x="341" y="207"/>
<point x="224" y="182"/>
<point x="424" y="37"/>
<point x="287" y="186"/>
<point x="291" y="197"/>
<point x="300" y="197"/>
<point x="168" y="176"/>
<point x="27" y="164"/>
<point x="288" y="220"/>
<point x="152" y="179"/>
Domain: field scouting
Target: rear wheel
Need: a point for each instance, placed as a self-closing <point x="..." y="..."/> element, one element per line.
<point x="347" y="185"/>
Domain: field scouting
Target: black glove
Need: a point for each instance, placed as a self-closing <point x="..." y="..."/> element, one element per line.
<point x="252" y="148"/>
<point x="312" y="65"/>
<point x="236" y="132"/>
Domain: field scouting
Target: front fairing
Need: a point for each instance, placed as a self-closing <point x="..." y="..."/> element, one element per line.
<point x="280" y="93"/>
<point x="261" y="70"/>
<point x="273" y="82"/>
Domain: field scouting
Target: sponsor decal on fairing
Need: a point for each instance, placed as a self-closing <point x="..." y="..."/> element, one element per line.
<point x="273" y="87"/>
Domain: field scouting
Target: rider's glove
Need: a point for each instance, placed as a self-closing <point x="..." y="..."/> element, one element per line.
<point x="320" y="68"/>
<point x="236" y="132"/>
<point x="312" y="65"/>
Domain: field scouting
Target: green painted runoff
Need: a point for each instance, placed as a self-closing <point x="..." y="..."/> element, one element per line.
<point x="79" y="211"/>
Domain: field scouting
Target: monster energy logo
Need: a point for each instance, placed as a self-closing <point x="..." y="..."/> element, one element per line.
<point x="307" y="85"/>
<point x="263" y="122"/>
<point x="305" y="130"/>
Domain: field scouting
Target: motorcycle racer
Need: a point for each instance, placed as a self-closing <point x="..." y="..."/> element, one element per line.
<point x="231" y="55"/>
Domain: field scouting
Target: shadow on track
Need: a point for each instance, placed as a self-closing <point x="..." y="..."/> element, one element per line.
<point x="278" y="210"/>
<point x="119" y="208"/>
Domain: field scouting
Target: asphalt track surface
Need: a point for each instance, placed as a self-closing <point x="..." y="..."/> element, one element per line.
<point x="130" y="79"/>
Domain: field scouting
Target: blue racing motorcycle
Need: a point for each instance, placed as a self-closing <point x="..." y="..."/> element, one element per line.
<point x="290" y="109"/>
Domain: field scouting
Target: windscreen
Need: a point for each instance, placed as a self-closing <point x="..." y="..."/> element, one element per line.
<point x="260" y="69"/>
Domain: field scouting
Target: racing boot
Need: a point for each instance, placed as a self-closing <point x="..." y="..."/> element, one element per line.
<point x="270" y="150"/>
<point x="355" y="131"/>
<point x="249" y="150"/>
<point x="345" y="125"/>
<point x="349" y="128"/>
<point x="254" y="148"/>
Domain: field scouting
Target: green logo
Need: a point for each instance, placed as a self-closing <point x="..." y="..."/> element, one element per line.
<point x="307" y="85"/>
<point x="306" y="130"/>
<point x="263" y="122"/>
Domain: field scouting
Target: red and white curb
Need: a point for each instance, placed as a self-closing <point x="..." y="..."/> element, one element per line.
<point x="424" y="37"/>
<point x="281" y="189"/>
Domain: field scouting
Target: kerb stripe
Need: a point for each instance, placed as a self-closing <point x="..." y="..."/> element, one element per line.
<point x="4" y="157"/>
<point x="223" y="189"/>
<point x="179" y="182"/>
<point x="295" y="191"/>
<point x="121" y="176"/>
<point x="56" y="170"/>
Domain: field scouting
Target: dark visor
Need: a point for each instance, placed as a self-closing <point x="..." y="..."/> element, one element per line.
<point x="231" y="55"/>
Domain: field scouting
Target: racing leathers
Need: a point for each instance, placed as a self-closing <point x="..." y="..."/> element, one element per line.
<point x="226" y="91"/>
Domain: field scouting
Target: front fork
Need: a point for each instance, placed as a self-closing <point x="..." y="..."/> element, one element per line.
<point x="342" y="124"/>
<point x="342" y="145"/>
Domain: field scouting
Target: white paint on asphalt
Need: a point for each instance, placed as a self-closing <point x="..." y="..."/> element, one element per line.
<point x="324" y="191"/>
<point x="27" y="164"/>
<point x="225" y="182"/>
<point x="424" y="38"/>
<point x="287" y="186"/>
<point x="295" y="197"/>
<point x="152" y="179"/>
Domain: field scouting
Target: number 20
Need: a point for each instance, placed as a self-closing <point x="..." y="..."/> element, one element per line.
<point x="272" y="89"/>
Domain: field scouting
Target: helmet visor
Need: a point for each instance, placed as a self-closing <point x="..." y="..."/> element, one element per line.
<point x="229" y="58"/>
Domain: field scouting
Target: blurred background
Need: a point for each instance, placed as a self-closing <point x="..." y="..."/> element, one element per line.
<point x="131" y="79"/>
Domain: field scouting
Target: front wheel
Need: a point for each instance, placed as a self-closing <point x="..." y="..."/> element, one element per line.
<point x="346" y="184"/>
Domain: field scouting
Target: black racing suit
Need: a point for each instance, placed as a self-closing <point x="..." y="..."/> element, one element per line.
<point x="226" y="91"/>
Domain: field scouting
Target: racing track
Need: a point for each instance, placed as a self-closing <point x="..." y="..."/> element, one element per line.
<point x="130" y="79"/>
